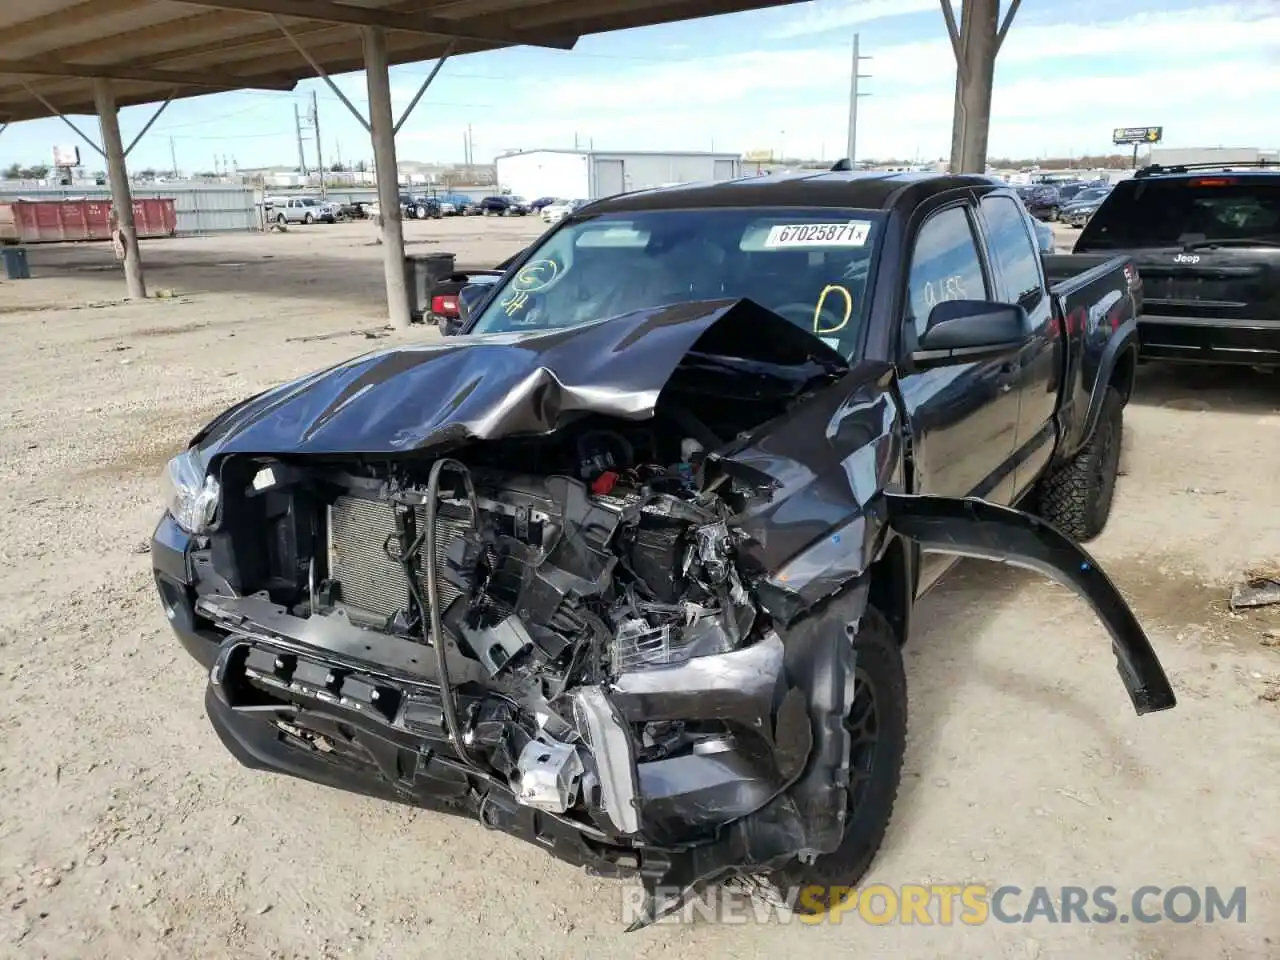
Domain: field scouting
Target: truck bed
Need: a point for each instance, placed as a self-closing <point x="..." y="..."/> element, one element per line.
<point x="1089" y="291"/>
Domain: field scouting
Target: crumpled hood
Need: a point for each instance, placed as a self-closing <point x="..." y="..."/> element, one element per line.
<point x="484" y="387"/>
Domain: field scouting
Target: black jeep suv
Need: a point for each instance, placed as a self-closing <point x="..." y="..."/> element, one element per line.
<point x="1206" y="239"/>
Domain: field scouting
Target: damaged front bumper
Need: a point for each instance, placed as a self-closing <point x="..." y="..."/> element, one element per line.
<point x="333" y="706"/>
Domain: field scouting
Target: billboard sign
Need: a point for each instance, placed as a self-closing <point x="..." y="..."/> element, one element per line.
<point x="1137" y="135"/>
<point x="66" y="156"/>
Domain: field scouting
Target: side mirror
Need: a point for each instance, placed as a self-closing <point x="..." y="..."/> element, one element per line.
<point x="968" y="331"/>
<point x="469" y="298"/>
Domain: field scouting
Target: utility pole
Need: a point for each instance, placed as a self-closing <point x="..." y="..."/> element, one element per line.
<point x="315" y="123"/>
<point x="173" y="157"/>
<point x="855" y="76"/>
<point x="302" y="156"/>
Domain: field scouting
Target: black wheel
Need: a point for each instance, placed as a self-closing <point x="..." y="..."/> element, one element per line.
<point x="280" y="219"/>
<point x="1076" y="497"/>
<point x="1053" y="213"/>
<point x="877" y="726"/>
<point x="308" y="219"/>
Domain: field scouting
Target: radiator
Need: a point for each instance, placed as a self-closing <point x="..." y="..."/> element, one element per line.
<point x="369" y="580"/>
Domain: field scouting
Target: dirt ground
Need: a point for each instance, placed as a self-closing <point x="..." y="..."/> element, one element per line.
<point x="126" y="830"/>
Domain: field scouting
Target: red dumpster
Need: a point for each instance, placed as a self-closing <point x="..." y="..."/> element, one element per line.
<point x="57" y="221"/>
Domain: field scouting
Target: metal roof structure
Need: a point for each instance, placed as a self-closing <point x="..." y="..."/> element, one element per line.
<point x="52" y="50"/>
<point x="60" y="57"/>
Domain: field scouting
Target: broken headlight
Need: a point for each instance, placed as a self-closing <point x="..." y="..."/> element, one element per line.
<point x="190" y="493"/>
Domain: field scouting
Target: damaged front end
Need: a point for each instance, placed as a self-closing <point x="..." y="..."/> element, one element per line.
<point x="581" y="663"/>
<point x="595" y="619"/>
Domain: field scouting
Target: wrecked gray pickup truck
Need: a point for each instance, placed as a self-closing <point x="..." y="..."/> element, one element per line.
<point x="628" y="575"/>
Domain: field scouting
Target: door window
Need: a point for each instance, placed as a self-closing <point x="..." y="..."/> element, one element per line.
<point x="1012" y="250"/>
<point x="945" y="265"/>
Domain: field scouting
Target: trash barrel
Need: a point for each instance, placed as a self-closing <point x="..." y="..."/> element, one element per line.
<point x="15" y="263"/>
<point x="423" y="271"/>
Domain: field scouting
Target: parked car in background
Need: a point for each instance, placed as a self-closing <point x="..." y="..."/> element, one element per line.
<point x="556" y="211"/>
<point x="455" y="204"/>
<point x="354" y="210"/>
<point x="301" y="210"/>
<point x="537" y="206"/>
<point x="1206" y="240"/>
<point x="1067" y="192"/>
<point x="1042" y="201"/>
<point x="1078" y="211"/>
<point x="501" y="205"/>
<point x="1044" y="236"/>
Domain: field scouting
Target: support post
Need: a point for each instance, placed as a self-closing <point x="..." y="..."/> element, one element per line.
<point x="382" y="125"/>
<point x="976" y="44"/>
<point x="118" y="176"/>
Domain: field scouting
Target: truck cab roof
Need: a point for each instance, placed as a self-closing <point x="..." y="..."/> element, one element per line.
<point x="825" y="188"/>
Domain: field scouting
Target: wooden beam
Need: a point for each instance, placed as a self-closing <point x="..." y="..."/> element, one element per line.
<point x="203" y="78"/>
<point x="331" y="12"/>
<point x="627" y="14"/>
<point x="63" y="19"/>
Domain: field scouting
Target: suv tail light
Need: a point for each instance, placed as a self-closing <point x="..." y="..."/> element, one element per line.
<point x="445" y="306"/>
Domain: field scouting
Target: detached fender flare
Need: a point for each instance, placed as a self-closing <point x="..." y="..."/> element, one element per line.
<point x="976" y="528"/>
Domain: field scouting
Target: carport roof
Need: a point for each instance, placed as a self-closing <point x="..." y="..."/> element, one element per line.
<point x="157" y="48"/>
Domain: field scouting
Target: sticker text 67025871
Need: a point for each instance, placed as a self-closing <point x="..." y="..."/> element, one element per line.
<point x="853" y="233"/>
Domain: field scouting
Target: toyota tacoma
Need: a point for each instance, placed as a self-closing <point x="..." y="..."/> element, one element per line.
<point x="625" y="569"/>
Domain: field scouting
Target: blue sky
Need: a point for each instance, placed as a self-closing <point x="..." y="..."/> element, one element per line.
<point x="1070" y="71"/>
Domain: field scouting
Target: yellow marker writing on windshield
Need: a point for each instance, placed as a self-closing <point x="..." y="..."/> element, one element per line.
<point x="536" y="275"/>
<point x="822" y="302"/>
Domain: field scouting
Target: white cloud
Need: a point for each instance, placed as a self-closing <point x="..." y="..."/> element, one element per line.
<point x="1201" y="73"/>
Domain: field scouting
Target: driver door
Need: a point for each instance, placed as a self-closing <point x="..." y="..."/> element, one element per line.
<point x="964" y="418"/>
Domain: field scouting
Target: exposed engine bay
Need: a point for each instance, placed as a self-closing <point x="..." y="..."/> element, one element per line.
<point x="550" y="610"/>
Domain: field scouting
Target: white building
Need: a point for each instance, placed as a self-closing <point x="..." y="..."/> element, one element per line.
<point x="590" y="175"/>
<point x="1172" y="156"/>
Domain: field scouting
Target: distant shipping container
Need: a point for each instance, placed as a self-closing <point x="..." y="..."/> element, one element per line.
<point x="60" y="221"/>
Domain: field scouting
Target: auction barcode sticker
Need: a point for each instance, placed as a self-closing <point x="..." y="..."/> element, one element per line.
<point x="854" y="233"/>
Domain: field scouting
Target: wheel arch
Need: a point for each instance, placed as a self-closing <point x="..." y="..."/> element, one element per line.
<point x="891" y="587"/>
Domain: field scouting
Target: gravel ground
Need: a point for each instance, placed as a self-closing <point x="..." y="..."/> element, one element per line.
<point x="127" y="830"/>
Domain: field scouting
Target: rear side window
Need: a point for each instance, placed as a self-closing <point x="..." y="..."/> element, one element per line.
<point x="1013" y="251"/>
<point x="1169" y="213"/>
<point x="944" y="265"/>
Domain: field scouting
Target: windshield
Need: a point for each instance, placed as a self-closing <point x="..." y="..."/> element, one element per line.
<point x="1091" y="196"/>
<point x="809" y="265"/>
<point x="308" y="202"/>
<point x="1169" y="213"/>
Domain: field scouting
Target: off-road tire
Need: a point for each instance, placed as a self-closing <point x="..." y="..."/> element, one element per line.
<point x="879" y="659"/>
<point x="1076" y="497"/>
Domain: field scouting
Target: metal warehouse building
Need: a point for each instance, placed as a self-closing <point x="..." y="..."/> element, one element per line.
<point x="590" y="175"/>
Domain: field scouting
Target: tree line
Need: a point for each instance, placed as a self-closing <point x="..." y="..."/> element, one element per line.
<point x="16" y="171"/>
